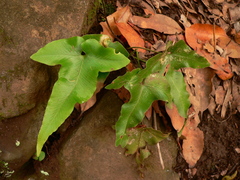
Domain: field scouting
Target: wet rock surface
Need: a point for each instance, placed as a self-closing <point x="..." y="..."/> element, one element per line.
<point x="26" y="26"/>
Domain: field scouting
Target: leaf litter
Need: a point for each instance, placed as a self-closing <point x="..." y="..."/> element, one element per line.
<point x="209" y="135"/>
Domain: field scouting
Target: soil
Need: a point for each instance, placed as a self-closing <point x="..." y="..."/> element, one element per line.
<point x="221" y="137"/>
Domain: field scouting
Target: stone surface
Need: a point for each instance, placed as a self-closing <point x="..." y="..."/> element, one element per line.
<point x="89" y="151"/>
<point x="26" y="26"/>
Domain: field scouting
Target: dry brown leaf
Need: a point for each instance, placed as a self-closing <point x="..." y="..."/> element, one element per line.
<point x="237" y="37"/>
<point x="176" y="119"/>
<point x="212" y="106"/>
<point x="202" y="36"/>
<point x="147" y="8"/>
<point x="110" y="28"/>
<point x="87" y="105"/>
<point x="148" y="113"/>
<point x="193" y="142"/>
<point x="205" y="33"/>
<point x="199" y="87"/>
<point x="219" y="95"/>
<point x="233" y="12"/>
<point x="185" y="21"/>
<point x="236" y="96"/>
<point x="123" y="94"/>
<point x="158" y="22"/>
<point x="227" y="99"/>
<point x="132" y="37"/>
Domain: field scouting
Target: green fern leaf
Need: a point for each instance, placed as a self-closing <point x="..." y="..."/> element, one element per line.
<point x="81" y="60"/>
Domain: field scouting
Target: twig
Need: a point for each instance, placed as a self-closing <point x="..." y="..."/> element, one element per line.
<point x="158" y="145"/>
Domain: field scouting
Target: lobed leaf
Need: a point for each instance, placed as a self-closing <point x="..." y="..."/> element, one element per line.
<point x="81" y="60"/>
<point x="179" y="94"/>
<point x="143" y="93"/>
<point x="181" y="55"/>
<point x="140" y="136"/>
<point x="158" y="81"/>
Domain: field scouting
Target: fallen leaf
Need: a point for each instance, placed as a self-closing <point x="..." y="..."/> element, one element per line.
<point x="227" y="99"/>
<point x="109" y="27"/>
<point x="158" y="22"/>
<point x="205" y="33"/>
<point x="237" y="37"/>
<point x="203" y="37"/>
<point x="176" y="119"/>
<point x="199" y="87"/>
<point x="87" y="105"/>
<point x="132" y="37"/>
<point x="185" y="21"/>
<point x="193" y="142"/>
<point x="219" y="95"/>
<point x="148" y="113"/>
<point x="147" y="8"/>
<point x="123" y="94"/>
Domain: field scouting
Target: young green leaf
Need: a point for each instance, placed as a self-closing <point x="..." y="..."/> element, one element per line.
<point x="160" y="80"/>
<point x="180" y="96"/>
<point x="142" y="155"/>
<point x="141" y="136"/>
<point x="154" y="87"/>
<point x="81" y="59"/>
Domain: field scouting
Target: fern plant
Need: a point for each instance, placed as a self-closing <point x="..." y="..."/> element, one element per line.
<point x="83" y="59"/>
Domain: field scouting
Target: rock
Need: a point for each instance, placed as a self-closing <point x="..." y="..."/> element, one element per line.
<point x="89" y="152"/>
<point x="25" y="85"/>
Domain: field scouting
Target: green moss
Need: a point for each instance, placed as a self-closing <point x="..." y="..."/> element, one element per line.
<point x="91" y="16"/>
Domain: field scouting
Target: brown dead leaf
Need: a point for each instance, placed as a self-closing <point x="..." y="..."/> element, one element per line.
<point x="132" y="37"/>
<point x="123" y="94"/>
<point x="110" y="28"/>
<point x="87" y="105"/>
<point x="199" y="87"/>
<point x="227" y="99"/>
<point x="148" y="113"/>
<point x="158" y="22"/>
<point x="219" y="95"/>
<point x="203" y="37"/>
<point x="176" y="119"/>
<point x="147" y="8"/>
<point x="237" y="37"/>
<point x="193" y="142"/>
<point x="205" y="33"/>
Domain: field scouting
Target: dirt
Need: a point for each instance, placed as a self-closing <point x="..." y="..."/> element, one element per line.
<point x="221" y="138"/>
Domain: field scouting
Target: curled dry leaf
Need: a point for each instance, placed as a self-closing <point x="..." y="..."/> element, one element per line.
<point x="109" y="27"/>
<point x="132" y="37"/>
<point x="158" y="22"/>
<point x="206" y="40"/>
